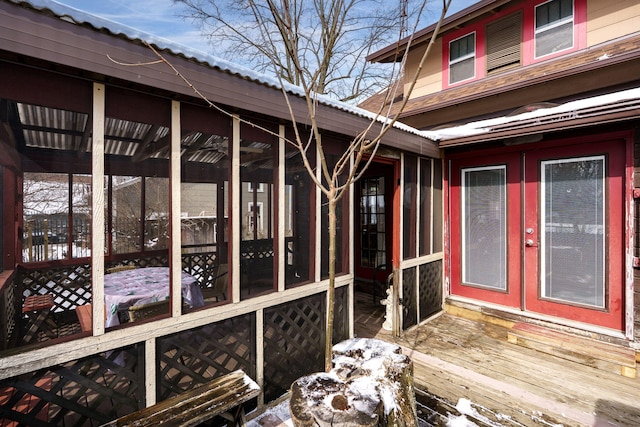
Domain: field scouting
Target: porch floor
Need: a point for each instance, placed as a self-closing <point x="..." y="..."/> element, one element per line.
<point x="458" y="362"/>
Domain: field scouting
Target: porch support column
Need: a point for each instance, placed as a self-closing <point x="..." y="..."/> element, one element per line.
<point x="175" y="242"/>
<point x="280" y="191"/>
<point x="352" y="254"/>
<point x="260" y="354"/>
<point x="234" y="202"/>
<point x="318" y="216"/>
<point x="97" y="208"/>
<point x="396" y="317"/>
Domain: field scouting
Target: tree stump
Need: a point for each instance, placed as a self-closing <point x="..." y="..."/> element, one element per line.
<point x="371" y="384"/>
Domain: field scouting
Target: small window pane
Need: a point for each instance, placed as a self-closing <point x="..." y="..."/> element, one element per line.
<point x="553" y="11"/>
<point x="126" y="194"/>
<point x="462" y="70"/>
<point x="554" y="40"/>
<point x="462" y="47"/>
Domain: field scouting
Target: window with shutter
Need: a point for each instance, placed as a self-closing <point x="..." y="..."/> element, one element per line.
<point x="504" y="38"/>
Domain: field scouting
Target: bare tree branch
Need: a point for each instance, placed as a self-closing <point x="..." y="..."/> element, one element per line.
<point x="310" y="43"/>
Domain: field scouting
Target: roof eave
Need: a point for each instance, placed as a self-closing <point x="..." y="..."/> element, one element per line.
<point x="611" y="61"/>
<point x="395" y="51"/>
<point x="512" y="133"/>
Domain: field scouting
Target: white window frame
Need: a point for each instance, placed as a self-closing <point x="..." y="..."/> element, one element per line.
<point x="537" y="31"/>
<point x="463" y="58"/>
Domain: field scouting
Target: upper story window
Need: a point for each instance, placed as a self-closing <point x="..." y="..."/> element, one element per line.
<point x="529" y="32"/>
<point x="462" y="58"/>
<point x="553" y="27"/>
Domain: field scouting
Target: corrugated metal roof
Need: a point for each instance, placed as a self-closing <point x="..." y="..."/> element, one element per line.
<point x="56" y="129"/>
<point x="81" y="18"/>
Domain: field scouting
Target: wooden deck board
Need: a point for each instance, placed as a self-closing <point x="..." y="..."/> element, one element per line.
<point x="458" y="358"/>
<point x="498" y="359"/>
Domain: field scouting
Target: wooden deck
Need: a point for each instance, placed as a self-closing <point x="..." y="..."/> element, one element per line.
<point x="508" y="384"/>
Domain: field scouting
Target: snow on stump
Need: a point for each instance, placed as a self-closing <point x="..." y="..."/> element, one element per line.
<point x="371" y="384"/>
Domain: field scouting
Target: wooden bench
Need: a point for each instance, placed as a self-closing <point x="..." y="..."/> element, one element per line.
<point x="222" y="396"/>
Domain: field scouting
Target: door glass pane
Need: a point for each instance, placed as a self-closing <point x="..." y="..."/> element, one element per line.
<point x="372" y="223"/>
<point x="572" y="244"/>
<point x="484" y="227"/>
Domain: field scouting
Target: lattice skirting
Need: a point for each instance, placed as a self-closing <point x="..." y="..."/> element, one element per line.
<point x="100" y="388"/>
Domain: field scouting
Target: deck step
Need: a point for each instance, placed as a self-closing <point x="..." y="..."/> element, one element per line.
<point x="590" y="352"/>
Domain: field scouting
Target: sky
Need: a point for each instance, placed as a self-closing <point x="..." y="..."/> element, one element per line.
<point x="162" y="18"/>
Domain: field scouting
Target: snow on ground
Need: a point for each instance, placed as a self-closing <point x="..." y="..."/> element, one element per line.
<point x="464" y="406"/>
<point x="281" y="411"/>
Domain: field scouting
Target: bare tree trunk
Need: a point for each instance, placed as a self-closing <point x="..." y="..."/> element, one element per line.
<point x="332" y="283"/>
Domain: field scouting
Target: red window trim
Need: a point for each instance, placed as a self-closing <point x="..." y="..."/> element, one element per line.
<point x="528" y="11"/>
<point x="479" y="56"/>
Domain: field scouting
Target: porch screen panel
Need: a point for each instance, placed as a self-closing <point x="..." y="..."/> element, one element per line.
<point x="484" y="227"/>
<point x="409" y="207"/>
<point x="299" y="208"/>
<point x="437" y="206"/>
<point x="46" y="213"/>
<point x="425" y="211"/>
<point x="258" y="154"/>
<point x="332" y="154"/>
<point x="204" y="216"/>
<point x="573" y="242"/>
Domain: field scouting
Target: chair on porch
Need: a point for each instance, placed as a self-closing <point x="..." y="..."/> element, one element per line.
<point x="85" y="314"/>
<point x="219" y="287"/>
<point x="37" y="309"/>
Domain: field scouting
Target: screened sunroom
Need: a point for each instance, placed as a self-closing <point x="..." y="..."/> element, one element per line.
<point x="152" y="241"/>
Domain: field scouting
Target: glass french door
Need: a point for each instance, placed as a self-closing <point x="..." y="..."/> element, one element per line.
<point x="374" y="222"/>
<point x="542" y="231"/>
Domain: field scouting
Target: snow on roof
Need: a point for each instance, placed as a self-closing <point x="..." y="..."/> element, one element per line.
<point x="79" y="17"/>
<point x="569" y="110"/>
